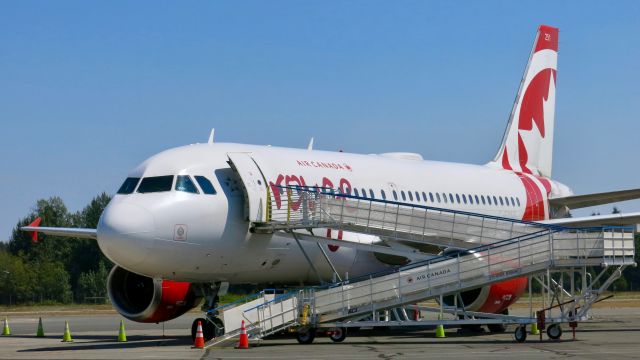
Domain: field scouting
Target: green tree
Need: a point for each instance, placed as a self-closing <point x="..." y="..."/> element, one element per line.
<point x="93" y="284"/>
<point x="66" y="258"/>
<point x="86" y="253"/>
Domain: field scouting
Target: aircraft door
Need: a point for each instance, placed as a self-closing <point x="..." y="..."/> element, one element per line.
<point x="255" y="186"/>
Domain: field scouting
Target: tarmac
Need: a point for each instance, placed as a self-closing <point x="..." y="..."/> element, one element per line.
<point x="614" y="332"/>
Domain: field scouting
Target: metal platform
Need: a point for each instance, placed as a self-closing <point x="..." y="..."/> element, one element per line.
<point x="496" y="249"/>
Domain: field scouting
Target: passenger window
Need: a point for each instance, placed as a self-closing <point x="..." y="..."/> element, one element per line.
<point x="424" y="196"/>
<point x="501" y="203"/>
<point x="384" y="196"/>
<point x="431" y="197"/>
<point x="451" y="198"/>
<point x="495" y="201"/>
<point x="458" y="198"/>
<point x="395" y="195"/>
<point x="155" y="184"/>
<point x="206" y="185"/>
<point x="518" y="201"/>
<point x="489" y="199"/>
<point x="373" y="196"/>
<point x="477" y="200"/>
<point x="417" y="196"/>
<point x="464" y="198"/>
<point x="410" y="195"/>
<point x="356" y="192"/>
<point x="184" y="183"/>
<point x="438" y="197"/>
<point x="444" y="198"/>
<point x="404" y="197"/>
<point x="128" y="186"/>
<point x="513" y="202"/>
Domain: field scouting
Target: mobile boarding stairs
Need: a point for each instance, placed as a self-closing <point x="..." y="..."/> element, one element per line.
<point x="489" y="249"/>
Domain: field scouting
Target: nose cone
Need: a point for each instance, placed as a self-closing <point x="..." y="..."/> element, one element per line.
<point x="125" y="233"/>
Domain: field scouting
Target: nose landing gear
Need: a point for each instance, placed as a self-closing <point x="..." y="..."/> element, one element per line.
<point x="212" y="325"/>
<point x="211" y="328"/>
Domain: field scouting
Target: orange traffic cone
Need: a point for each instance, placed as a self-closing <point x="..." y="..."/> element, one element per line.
<point x="243" y="343"/>
<point x="199" y="342"/>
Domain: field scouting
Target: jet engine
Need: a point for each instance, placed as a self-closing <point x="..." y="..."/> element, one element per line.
<point x="143" y="299"/>
<point x="494" y="298"/>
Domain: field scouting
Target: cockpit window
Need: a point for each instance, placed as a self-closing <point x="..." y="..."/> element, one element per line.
<point x="184" y="183"/>
<point x="155" y="184"/>
<point x="128" y="186"/>
<point x="205" y="185"/>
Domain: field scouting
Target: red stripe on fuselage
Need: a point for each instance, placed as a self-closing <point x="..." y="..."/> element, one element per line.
<point x="535" y="205"/>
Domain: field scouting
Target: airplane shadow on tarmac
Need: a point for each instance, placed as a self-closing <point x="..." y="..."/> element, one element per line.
<point x="109" y="342"/>
<point x="421" y="338"/>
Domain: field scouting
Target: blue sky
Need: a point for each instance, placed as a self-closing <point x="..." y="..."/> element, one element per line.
<point x="90" y="89"/>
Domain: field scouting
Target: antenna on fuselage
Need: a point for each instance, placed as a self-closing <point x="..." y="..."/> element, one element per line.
<point x="213" y="132"/>
<point x="310" y="146"/>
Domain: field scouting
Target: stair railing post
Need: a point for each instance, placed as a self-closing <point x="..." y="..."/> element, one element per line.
<point x="453" y="225"/>
<point x="371" y="295"/>
<point x="519" y="256"/>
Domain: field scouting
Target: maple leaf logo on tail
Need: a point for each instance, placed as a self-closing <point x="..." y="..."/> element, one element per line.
<point x="527" y="145"/>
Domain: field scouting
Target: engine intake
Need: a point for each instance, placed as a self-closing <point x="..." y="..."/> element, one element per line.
<point x="143" y="299"/>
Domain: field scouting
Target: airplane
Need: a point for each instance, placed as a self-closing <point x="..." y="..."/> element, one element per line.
<point x="177" y="230"/>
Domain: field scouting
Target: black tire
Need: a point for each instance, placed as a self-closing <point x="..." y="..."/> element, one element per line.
<point x="217" y="328"/>
<point x="554" y="331"/>
<point x="208" y="330"/>
<point x="306" y="336"/>
<point x="497" y="328"/>
<point x="338" y="334"/>
<point x="520" y="334"/>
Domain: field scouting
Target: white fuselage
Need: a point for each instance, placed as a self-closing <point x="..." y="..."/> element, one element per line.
<point x="202" y="238"/>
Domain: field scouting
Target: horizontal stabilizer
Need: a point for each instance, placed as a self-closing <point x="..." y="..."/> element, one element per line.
<point x="582" y="201"/>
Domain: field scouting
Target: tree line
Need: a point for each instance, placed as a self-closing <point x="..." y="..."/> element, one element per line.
<point x="55" y="269"/>
<point x="69" y="270"/>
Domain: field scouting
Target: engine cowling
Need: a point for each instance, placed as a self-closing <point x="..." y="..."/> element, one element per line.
<point x="143" y="299"/>
<point x="494" y="298"/>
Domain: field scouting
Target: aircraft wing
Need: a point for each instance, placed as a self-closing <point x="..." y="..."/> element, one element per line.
<point x="598" y="220"/>
<point x="581" y="201"/>
<point x="69" y="232"/>
<point x="34" y="228"/>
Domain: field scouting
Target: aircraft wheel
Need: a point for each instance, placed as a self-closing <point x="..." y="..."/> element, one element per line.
<point x="554" y="331"/>
<point x="338" y="334"/>
<point x="521" y="333"/>
<point x="208" y="330"/>
<point x="217" y="327"/>
<point x="306" y="336"/>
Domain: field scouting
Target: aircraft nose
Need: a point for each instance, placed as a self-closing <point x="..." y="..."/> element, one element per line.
<point x="125" y="233"/>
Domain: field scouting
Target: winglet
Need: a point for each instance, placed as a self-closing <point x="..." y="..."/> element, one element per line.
<point x="310" y="146"/>
<point x="34" y="234"/>
<point x="211" y="135"/>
